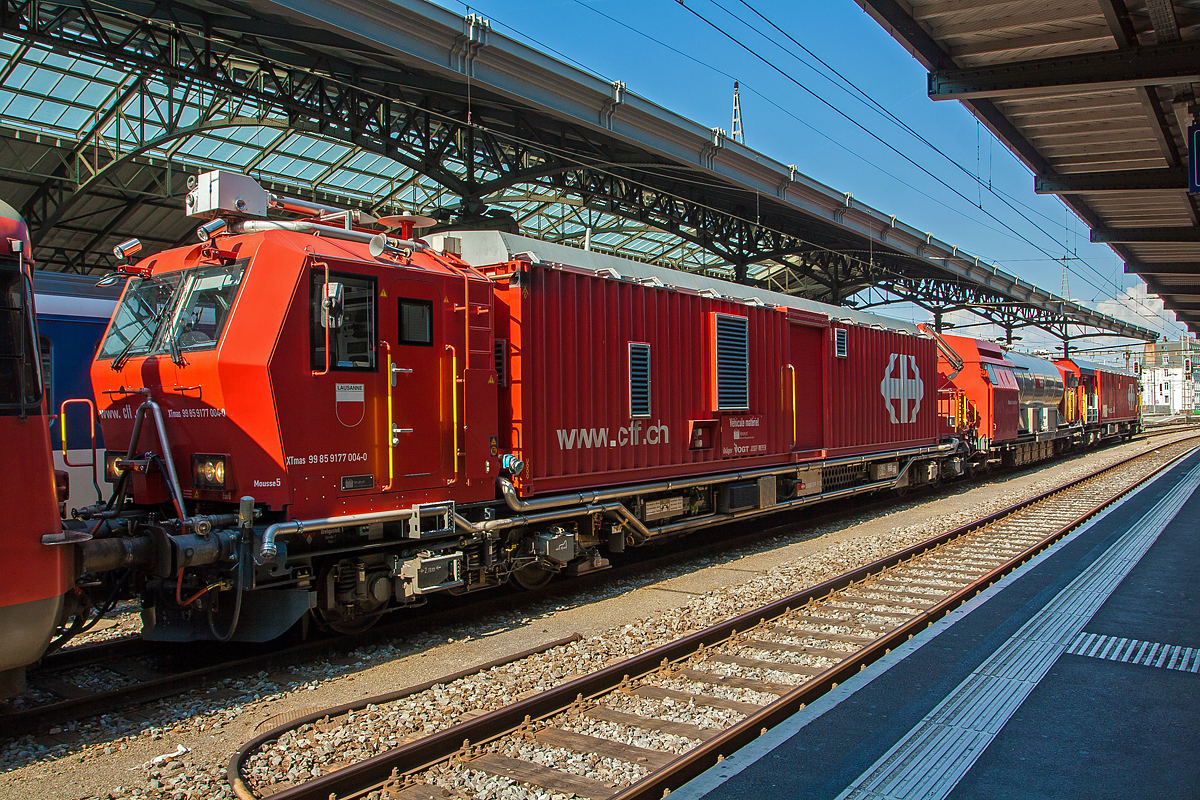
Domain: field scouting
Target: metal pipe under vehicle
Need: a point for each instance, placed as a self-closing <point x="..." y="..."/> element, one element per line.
<point x="515" y="503"/>
<point x="550" y="509"/>
<point x="268" y="549"/>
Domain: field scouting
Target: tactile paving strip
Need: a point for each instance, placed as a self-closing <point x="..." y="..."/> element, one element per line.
<point x="934" y="756"/>
<point x="1136" y="651"/>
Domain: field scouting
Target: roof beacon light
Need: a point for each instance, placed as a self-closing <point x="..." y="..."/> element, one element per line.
<point x="406" y="223"/>
<point x="126" y="249"/>
<point x="212" y="228"/>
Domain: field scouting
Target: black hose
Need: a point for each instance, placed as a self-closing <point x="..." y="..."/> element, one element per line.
<point x="78" y="625"/>
<point x="237" y="604"/>
<point x="118" y="497"/>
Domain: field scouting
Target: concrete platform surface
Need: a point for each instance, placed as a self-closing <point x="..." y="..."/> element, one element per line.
<point x="1076" y="676"/>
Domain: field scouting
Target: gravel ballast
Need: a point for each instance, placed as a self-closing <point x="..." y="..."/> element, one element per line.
<point x="178" y="748"/>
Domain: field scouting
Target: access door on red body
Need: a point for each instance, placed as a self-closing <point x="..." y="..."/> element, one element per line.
<point x="423" y="382"/>
<point x="804" y="386"/>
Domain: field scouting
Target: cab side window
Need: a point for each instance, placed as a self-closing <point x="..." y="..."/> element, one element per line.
<point x="345" y="309"/>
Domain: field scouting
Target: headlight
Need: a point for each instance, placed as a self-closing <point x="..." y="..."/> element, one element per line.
<point x="208" y="472"/>
<point x="111" y="471"/>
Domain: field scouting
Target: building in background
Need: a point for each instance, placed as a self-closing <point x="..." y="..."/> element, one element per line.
<point x="1169" y="378"/>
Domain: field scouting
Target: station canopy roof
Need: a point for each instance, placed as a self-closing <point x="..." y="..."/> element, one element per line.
<point x="1096" y="97"/>
<point x="106" y="109"/>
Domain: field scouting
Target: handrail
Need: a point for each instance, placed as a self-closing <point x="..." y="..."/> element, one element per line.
<point x="168" y="461"/>
<point x="792" y="370"/>
<point x="391" y="428"/>
<point x="62" y="416"/>
<point x="467" y="363"/>
<point x="325" y="311"/>
<point x="454" y="407"/>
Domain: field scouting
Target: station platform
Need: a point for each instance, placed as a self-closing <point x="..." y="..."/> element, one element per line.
<point x="1076" y="676"/>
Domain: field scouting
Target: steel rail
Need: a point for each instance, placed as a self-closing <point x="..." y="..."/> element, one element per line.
<point x="371" y="773"/>
<point x="39" y="716"/>
<point x="246" y="792"/>
<point x="709" y="753"/>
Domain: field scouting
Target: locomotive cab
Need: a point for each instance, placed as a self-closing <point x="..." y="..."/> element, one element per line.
<point x="37" y="574"/>
<point x="252" y="387"/>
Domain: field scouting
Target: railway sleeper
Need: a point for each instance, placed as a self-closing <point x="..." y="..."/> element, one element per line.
<point x="684" y="729"/>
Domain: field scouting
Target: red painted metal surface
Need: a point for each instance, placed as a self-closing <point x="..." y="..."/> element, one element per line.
<point x="311" y="441"/>
<point x="883" y="393"/>
<point x="996" y="405"/>
<point x="36" y="575"/>
<point x="566" y="408"/>
<point x="1120" y="398"/>
<point x="33" y="571"/>
<point x="1112" y="395"/>
<point x="1071" y="409"/>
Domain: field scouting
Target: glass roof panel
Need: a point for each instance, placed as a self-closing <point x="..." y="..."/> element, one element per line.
<point x="47" y="112"/>
<point x="52" y="92"/>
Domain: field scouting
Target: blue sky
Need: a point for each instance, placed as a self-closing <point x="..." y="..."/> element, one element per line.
<point x="788" y="123"/>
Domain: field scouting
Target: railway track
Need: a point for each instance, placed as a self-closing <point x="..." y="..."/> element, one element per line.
<point x="644" y="726"/>
<point x="88" y="680"/>
<point x="76" y="683"/>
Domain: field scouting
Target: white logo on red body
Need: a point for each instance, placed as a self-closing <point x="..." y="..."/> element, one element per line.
<point x="350" y="403"/>
<point x="1132" y="397"/>
<point x="901" y="388"/>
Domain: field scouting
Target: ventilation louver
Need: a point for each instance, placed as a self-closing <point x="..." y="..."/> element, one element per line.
<point x="639" y="380"/>
<point x="839" y="342"/>
<point x="733" y="363"/>
<point x="501" y="353"/>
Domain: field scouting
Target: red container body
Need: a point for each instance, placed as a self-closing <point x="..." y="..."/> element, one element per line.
<point x="883" y="393"/>
<point x="1120" y="398"/>
<point x="565" y="409"/>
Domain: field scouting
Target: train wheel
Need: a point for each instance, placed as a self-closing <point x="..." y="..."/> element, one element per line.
<point x="347" y="625"/>
<point x="532" y="576"/>
<point x="341" y="607"/>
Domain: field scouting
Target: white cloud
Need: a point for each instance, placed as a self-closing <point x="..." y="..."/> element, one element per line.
<point x="1137" y="307"/>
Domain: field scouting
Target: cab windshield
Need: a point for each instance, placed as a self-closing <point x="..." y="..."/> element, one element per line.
<point x="173" y="313"/>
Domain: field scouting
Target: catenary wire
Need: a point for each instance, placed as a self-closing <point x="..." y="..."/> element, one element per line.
<point x="1003" y="197"/>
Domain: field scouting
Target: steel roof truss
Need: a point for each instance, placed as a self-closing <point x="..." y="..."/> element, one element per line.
<point x="1131" y="67"/>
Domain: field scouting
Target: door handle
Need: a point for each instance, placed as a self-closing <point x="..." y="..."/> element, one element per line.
<point x="396" y="371"/>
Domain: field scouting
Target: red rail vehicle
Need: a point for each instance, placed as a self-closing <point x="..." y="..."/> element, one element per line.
<point x="1016" y="408"/>
<point x="37" y="575"/>
<point x="309" y="416"/>
<point x="1106" y="401"/>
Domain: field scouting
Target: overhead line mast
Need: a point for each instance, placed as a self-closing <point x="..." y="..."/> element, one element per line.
<point x="738" y="133"/>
